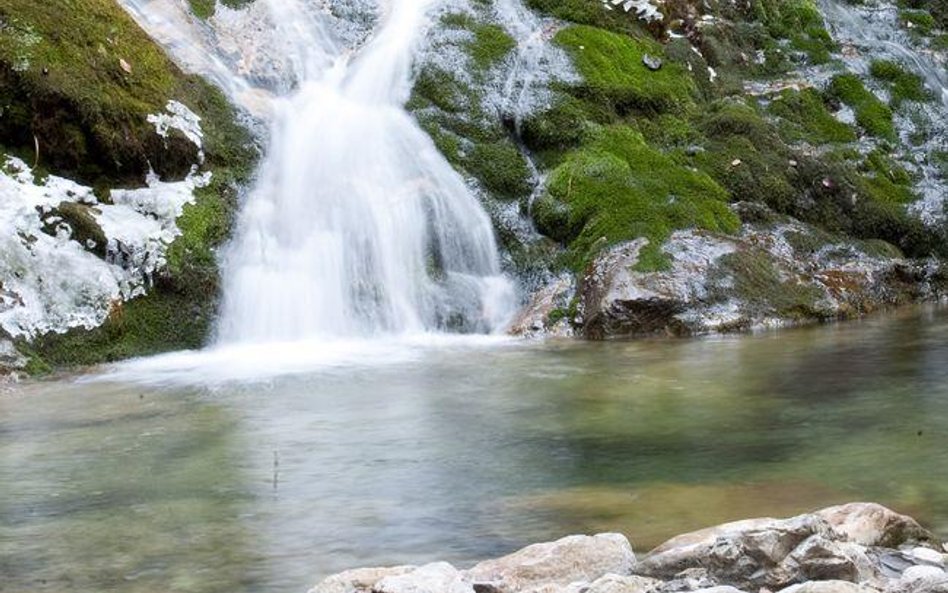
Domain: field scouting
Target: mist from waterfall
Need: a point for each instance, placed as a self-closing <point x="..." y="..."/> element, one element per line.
<point x="357" y="226"/>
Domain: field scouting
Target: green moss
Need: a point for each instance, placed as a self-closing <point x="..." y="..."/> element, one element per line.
<point x="490" y="45"/>
<point x="618" y="188"/>
<point x="95" y="76"/>
<point x="799" y="21"/>
<point x="613" y="72"/>
<point x="811" y="121"/>
<point x="904" y="86"/>
<point x="746" y="155"/>
<point x="887" y="181"/>
<point x="154" y="323"/>
<point x="940" y="160"/>
<point x="438" y="88"/>
<point x="560" y="127"/>
<point x="587" y="12"/>
<point x="918" y="20"/>
<point x="204" y="9"/>
<point x="500" y="167"/>
<point x="871" y="113"/>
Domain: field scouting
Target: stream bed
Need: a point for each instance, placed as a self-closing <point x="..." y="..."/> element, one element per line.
<point x="132" y="482"/>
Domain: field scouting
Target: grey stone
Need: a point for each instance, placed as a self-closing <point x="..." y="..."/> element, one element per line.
<point x="577" y="558"/>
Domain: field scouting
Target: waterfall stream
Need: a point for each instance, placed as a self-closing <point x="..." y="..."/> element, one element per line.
<point x="357" y="226"/>
<point x="873" y="32"/>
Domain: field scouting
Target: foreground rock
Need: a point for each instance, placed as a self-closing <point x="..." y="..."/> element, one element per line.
<point x="853" y="548"/>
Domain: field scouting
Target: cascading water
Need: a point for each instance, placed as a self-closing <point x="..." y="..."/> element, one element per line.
<point x="357" y="225"/>
<point x="872" y="31"/>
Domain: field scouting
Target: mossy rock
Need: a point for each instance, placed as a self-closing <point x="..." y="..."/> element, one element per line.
<point x="809" y="119"/>
<point x="614" y="74"/>
<point x="758" y="283"/>
<point x="84" y="227"/>
<point x="872" y="115"/>
<point x="588" y="12"/>
<point x="903" y="85"/>
<point x="490" y="45"/>
<point x="616" y="188"/>
<point x="500" y="167"/>
<point x="79" y="80"/>
<point x="84" y="87"/>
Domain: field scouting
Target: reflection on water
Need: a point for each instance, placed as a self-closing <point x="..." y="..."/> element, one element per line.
<point x="459" y="454"/>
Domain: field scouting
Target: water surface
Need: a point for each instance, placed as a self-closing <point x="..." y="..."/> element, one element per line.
<point x="460" y="451"/>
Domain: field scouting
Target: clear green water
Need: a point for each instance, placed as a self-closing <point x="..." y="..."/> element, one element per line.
<point x="462" y="453"/>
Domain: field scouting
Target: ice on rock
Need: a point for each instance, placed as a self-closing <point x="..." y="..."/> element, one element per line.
<point x="177" y="116"/>
<point x="49" y="282"/>
<point x="644" y="9"/>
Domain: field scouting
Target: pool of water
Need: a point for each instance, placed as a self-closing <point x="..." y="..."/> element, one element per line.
<point x="146" y="481"/>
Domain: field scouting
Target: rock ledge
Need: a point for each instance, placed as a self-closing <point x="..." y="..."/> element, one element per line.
<point x="852" y="548"/>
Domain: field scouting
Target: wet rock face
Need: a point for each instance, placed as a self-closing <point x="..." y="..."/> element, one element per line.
<point x="772" y="273"/>
<point x="853" y="548"/>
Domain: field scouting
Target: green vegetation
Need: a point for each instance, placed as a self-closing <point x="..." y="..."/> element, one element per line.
<point x="798" y="21"/>
<point x="587" y="13"/>
<point x="614" y="75"/>
<point x="617" y="188"/>
<point x="807" y="118"/>
<point x="919" y="20"/>
<point x="95" y="76"/>
<point x="491" y="44"/>
<point x="871" y="113"/>
<point x="204" y="9"/>
<point x="500" y="167"/>
<point x="904" y="86"/>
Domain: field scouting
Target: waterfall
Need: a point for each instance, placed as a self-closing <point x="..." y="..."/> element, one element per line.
<point x="357" y="226"/>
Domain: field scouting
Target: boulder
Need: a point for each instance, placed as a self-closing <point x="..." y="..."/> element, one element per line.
<point x="828" y="587"/>
<point x="577" y="558"/>
<point x="871" y="524"/>
<point x="921" y="579"/>
<point x="358" y="580"/>
<point x="615" y="583"/>
<point x="775" y="273"/>
<point x="438" y="577"/>
<point x="770" y="553"/>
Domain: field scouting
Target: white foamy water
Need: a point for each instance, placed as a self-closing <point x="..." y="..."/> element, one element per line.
<point x="358" y="227"/>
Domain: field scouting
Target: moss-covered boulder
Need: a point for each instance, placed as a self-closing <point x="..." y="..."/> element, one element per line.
<point x="78" y="82"/>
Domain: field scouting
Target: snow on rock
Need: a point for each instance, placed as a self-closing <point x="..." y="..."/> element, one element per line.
<point x="49" y="281"/>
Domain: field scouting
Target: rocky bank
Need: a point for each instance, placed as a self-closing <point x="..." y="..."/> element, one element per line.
<point x="852" y="548"/>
